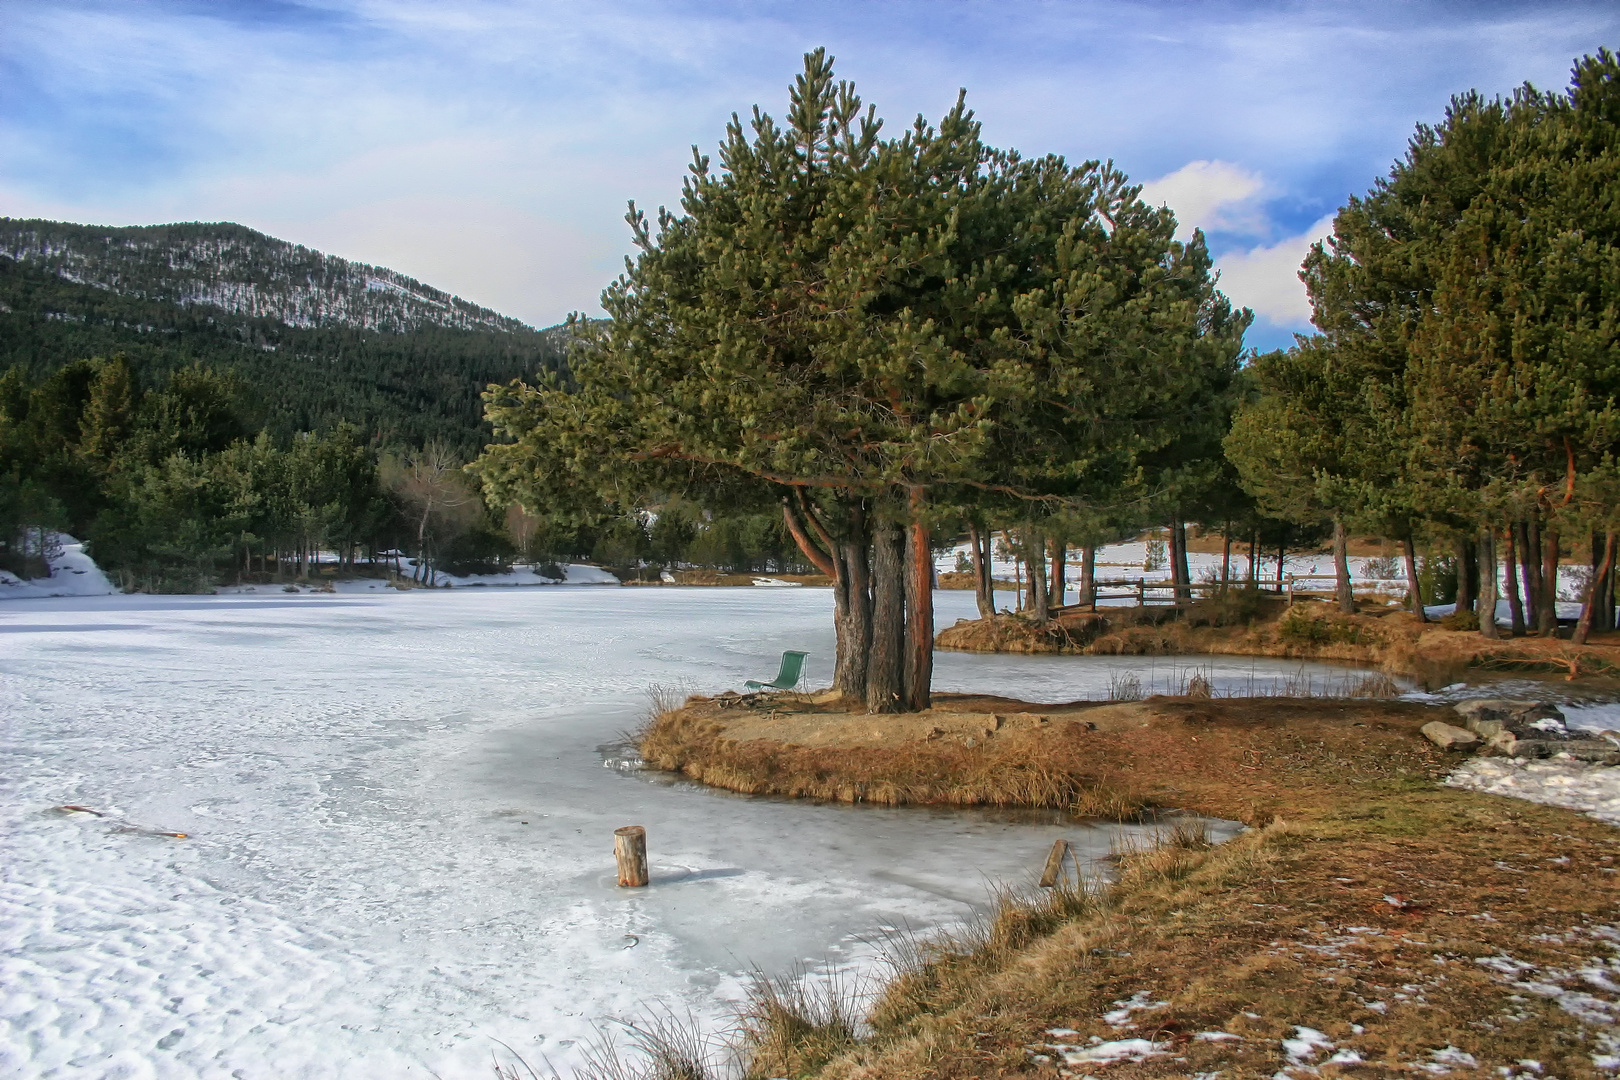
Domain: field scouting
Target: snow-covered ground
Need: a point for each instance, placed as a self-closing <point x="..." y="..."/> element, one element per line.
<point x="573" y="574"/>
<point x="73" y="573"/>
<point x="398" y="850"/>
<point x="1560" y="781"/>
<point x="1126" y="560"/>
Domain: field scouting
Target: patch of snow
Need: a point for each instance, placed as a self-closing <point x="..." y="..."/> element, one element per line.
<point x="1216" y="1036"/>
<point x="1141" y="1001"/>
<point x="73" y="573"/>
<point x="1306" y="1044"/>
<point x="1118" y="1050"/>
<point x="573" y="574"/>
<point x="1593" y="789"/>
<point x="1450" y="1055"/>
<point x="1345" y="1057"/>
<point x="776" y="583"/>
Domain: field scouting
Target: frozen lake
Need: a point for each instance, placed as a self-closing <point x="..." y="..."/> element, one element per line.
<point x="400" y="827"/>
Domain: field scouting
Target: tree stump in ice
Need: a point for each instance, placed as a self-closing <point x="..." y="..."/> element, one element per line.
<point x="630" y="852"/>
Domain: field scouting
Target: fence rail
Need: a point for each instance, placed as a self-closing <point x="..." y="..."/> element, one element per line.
<point x="1147" y="591"/>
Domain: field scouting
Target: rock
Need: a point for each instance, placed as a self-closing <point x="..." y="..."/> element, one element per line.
<point x="1513" y="744"/>
<point x="1447" y="737"/>
<point x="1532" y="744"/>
<point x="1597" y="751"/>
<point x="1486" y="717"/>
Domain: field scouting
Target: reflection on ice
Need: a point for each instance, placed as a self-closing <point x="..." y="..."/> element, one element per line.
<point x="400" y="827"/>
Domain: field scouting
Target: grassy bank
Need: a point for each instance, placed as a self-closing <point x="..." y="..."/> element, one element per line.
<point x="1389" y="639"/>
<point x="1232" y="758"/>
<point x="1419" y="929"/>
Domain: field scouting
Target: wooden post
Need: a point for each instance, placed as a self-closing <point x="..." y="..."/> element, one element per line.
<point x="630" y="852"/>
<point x="1054" y="864"/>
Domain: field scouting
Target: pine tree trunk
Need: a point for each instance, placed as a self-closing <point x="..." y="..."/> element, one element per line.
<point x="886" y="656"/>
<point x="1341" y="569"/>
<point x="1282" y="559"/>
<point x="1088" y="575"/>
<point x="1604" y="615"/>
<point x="1414" y="591"/>
<point x="1487" y="583"/>
<point x="1254" y="558"/>
<point x="1035" y="544"/>
<point x="1510" y="577"/>
<point x="853" y="609"/>
<point x="1547" y="608"/>
<point x="982" y="594"/>
<point x="919" y="662"/>
<point x="1018" y="574"/>
<point x="1461" y="555"/>
<point x="1180" y="570"/>
<point x="1226" y="556"/>
<point x="1058" y="584"/>
<point x="1601" y="570"/>
<point x="1530" y="569"/>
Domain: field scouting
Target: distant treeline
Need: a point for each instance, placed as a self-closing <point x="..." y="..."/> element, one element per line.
<point x="174" y="491"/>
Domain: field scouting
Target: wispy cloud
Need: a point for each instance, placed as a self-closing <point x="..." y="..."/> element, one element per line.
<point x="489" y="146"/>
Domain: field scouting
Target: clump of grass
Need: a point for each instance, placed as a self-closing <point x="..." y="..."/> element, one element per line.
<point x="793" y="1024"/>
<point x="1124" y="686"/>
<point x="1461" y="620"/>
<point x="1374" y="685"/>
<point x="929" y="972"/>
<point x="1307" y="624"/>
<point x="662" y="1046"/>
<point x="1198" y="686"/>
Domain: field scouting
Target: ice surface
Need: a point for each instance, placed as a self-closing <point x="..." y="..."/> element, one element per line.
<point x="400" y="825"/>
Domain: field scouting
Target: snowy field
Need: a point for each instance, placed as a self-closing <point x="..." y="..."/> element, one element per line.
<point x="399" y="826"/>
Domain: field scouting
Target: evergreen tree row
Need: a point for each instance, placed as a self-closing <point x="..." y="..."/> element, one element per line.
<point x="1462" y="388"/>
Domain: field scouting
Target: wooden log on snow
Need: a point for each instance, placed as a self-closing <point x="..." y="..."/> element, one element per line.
<point x="630" y="852"/>
<point x="1054" y="864"/>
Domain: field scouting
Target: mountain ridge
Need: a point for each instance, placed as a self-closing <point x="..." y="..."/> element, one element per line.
<point x="244" y="272"/>
<point x="314" y="339"/>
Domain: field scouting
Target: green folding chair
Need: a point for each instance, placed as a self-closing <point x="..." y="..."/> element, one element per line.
<point x="787" y="678"/>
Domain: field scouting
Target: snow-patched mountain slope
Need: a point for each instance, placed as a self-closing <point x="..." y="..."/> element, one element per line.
<point x="243" y="272"/>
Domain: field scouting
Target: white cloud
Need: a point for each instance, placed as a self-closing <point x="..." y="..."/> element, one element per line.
<point x="1210" y="195"/>
<point x="1267" y="278"/>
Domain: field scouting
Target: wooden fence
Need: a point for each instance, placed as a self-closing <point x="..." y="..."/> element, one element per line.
<point x="1149" y="591"/>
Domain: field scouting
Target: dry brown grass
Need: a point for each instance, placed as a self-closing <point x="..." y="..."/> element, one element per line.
<point x="1014" y="771"/>
<point x="1390" y="639"/>
<point x="1398" y="917"/>
<point x="1288" y="926"/>
<point x="1227" y="757"/>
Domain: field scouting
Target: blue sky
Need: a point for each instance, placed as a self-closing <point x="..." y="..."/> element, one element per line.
<point x="489" y="147"/>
